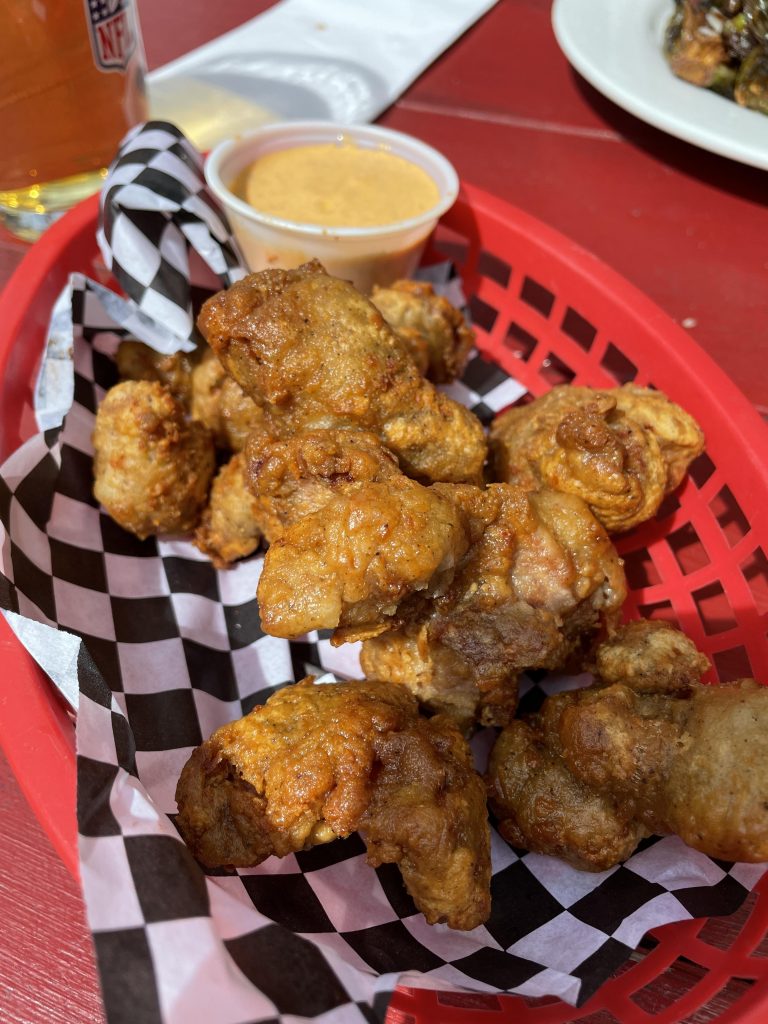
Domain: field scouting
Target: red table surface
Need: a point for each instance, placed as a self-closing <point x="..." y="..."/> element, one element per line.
<point x="684" y="225"/>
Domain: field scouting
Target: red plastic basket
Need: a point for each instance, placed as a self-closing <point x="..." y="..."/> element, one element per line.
<point x="548" y="312"/>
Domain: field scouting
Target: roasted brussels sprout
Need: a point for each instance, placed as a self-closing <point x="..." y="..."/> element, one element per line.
<point x="722" y="45"/>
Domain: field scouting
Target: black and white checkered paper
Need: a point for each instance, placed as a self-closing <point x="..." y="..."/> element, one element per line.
<point x="171" y="649"/>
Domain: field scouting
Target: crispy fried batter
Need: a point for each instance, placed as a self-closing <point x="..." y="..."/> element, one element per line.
<point x="540" y="580"/>
<point x="620" y="449"/>
<point x="315" y="354"/>
<point x="151" y="467"/>
<point x="318" y="762"/>
<point x="353" y="564"/>
<point x="229" y="528"/>
<point x="137" y="361"/>
<point x="300" y="475"/>
<point x="661" y="754"/>
<point x="678" y="434"/>
<point x="649" y="656"/>
<point x="222" y="405"/>
<point x="542" y="807"/>
<point x="434" y="331"/>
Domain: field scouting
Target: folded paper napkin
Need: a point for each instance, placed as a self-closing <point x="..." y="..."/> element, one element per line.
<point x="171" y="649"/>
<point x="339" y="60"/>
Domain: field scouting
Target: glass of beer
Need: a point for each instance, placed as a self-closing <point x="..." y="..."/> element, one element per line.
<point x="71" y="84"/>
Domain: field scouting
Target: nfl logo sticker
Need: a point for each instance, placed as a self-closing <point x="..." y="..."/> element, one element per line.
<point x="113" y="32"/>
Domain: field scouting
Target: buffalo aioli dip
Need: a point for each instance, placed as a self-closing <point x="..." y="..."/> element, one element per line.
<point x="337" y="186"/>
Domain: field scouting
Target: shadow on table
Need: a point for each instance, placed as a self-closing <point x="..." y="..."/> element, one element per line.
<point x="718" y="171"/>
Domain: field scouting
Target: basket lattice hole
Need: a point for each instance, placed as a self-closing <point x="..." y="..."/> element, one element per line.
<point x="721" y="1001"/>
<point x="727" y="511"/>
<point x="482" y="313"/>
<point x="669" y="505"/>
<point x="451" y="245"/>
<point x="520" y="343"/>
<point x="483" y="1001"/>
<point x="659" y="610"/>
<point x="491" y="266"/>
<point x="687" y="548"/>
<point x="755" y="570"/>
<point x="537" y="1001"/>
<point x="555" y="371"/>
<point x="760" y="952"/>
<point x="618" y="365"/>
<point x="579" y="329"/>
<point x="640" y="570"/>
<point x="722" y="932"/>
<point x="714" y="608"/>
<point x="732" y="663"/>
<point x="537" y="296"/>
<point x="395" y="1016"/>
<point x="669" y="986"/>
<point x="598" y="1017"/>
<point x="701" y="469"/>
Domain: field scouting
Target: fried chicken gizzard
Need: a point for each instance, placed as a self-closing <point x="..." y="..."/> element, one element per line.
<point x="152" y="467"/>
<point x="648" y="750"/>
<point x="538" y="584"/>
<point x="319" y="761"/>
<point x="619" y="449"/>
<point x="435" y="332"/>
<point x="463" y="587"/>
<point x="315" y="353"/>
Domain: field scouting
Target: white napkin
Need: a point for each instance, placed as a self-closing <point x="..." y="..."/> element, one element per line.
<point x="338" y="60"/>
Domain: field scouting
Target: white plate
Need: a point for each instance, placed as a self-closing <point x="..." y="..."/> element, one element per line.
<point x="616" y="46"/>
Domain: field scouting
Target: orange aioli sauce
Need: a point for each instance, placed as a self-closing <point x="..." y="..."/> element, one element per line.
<point x="337" y="186"/>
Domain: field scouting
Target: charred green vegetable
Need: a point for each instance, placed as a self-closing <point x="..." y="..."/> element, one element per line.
<point x="722" y="45"/>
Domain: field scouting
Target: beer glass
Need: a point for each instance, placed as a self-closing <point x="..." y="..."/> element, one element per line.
<point x="71" y="84"/>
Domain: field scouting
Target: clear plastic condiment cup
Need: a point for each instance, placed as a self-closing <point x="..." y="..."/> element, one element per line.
<point x="366" y="255"/>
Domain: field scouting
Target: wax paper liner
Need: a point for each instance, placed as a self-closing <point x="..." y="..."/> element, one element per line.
<point x="173" y="648"/>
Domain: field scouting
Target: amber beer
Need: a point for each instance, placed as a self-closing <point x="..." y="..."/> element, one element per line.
<point x="71" y="84"/>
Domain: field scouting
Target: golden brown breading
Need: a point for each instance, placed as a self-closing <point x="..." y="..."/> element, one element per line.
<point x="661" y="753"/>
<point x="690" y="765"/>
<point x="620" y="449"/>
<point x="222" y="405"/>
<point x="649" y="656"/>
<point x="298" y="476"/>
<point x="678" y="434"/>
<point x="542" y="807"/>
<point x="137" y="361"/>
<point x="319" y="761"/>
<point x="427" y="814"/>
<point x="316" y="354"/>
<point x="229" y="527"/>
<point x="352" y="565"/>
<point x="540" y="580"/>
<point x="434" y="331"/>
<point x="151" y="467"/>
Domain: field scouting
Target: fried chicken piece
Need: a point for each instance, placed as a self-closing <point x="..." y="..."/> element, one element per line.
<point x="316" y="354"/>
<point x="319" y="761"/>
<point x="151" y="467"/>
<point x="229" y="527"/>
<point x="300" y="475"/>
<point x="620" y="449"/>
<point x="678" y="434"/>
<point x="542" y="807"/>
<point x="663" y="757"/>
<point x="649" y="656"/>
<point x="540" y="581"/>
<point x="222" y="405"/>
<point x="354" y="564"/>
<point x="434" y="331"/>
<point x="137" y="361"/>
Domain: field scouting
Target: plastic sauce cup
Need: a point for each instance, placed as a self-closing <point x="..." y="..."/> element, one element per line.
<point x="365" y="256"/>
